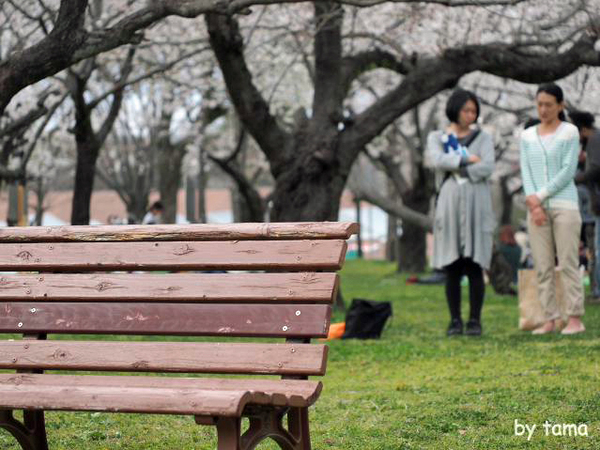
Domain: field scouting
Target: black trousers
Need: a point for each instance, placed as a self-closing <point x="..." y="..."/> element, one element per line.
<point x="454" y="274"/>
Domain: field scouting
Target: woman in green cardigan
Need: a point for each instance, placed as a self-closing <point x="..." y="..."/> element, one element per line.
<point x="549" y="154"/>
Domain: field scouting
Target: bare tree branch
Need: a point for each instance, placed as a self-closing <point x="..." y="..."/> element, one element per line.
<point x="69" y="42"/>
<point x="124" y="82"/>
<point x="39" y="19"/>
<point x="24" y="122"/>
<point x="519" y="112"/>
<point x="245" y="187"/>
<point x="40" y="130"/>
<point x="565" y="17"/>
<point x="50" y="55"/>
<point x="305" y="57"/>
<point x="111" y="181"/>
<point x="362" y="62"/>
<point x="251" y="107"/>
<point x="382" y="39"/>
<point x="433" y="75"/>
<point x="115" y="106"/>
<point x="238" y="148"/>
<point x="395" y="209"/>
<point x="392" y="170"/>
<point x="240" y="5"/>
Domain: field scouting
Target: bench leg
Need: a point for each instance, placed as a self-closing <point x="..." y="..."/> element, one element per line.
<point x="31" y="434"/>
<point x="268" y="424"/>
<point x="228" y="433"/>
<point x="298" y="426"/>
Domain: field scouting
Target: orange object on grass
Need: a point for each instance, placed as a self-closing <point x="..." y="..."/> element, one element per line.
<point x="336" y="330"/>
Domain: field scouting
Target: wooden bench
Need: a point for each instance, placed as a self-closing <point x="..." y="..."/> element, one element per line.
<point x="280" y="283"/>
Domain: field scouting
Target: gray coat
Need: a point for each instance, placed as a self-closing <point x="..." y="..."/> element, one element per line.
<point x="464" y="219"/>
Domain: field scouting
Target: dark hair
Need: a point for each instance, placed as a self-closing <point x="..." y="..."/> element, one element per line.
<point x="457" y="100"/>
<point x="532" y="122"/>
<point x="157" y="205"/>
<point x="555" y="91"/>
<point x="582" y="119"/>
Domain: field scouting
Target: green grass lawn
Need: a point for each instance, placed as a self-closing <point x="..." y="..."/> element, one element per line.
<point x="413" y="389"/>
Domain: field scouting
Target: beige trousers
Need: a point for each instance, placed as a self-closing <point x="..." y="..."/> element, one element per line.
<point x="559" y="236"/>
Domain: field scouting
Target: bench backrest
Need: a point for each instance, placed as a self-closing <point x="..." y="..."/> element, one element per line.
<point x="239" y="280"/>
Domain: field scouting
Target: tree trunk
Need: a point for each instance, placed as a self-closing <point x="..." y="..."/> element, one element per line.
<point x="507" y="201"/>
<point x="169" y="166"/>
<point x="412" y="255"/>
<point x="307" y="199"/>
<point x="202" y="182"/>
<point x="305" y="163"/>
<point x="190" y="199"/>
<point x="392" y="243"/>
<point x="85" y="172"/>
<point x="237" y="205"/>
<point x="359" y="251"/>
<point x="137" y="208"/>
<point x="247" y="205"/>
<point x="40" y="191"/>
<point x="311" y="187"/>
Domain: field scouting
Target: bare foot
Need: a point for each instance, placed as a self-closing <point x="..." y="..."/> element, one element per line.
<point x="574" y="326"/>
<point x="548" y="327"/>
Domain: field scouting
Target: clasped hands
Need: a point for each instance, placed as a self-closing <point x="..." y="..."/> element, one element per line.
<point x="538" y="214"/>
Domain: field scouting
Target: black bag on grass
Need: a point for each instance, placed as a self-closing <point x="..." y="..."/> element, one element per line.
<point x="365" y="319"/>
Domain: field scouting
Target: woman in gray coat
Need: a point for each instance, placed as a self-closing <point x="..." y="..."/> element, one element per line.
<point x="463" y="158"/>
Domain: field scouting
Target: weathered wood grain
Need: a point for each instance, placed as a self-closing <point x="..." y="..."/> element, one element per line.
<point x="276" y="392"/>
<point x="300" y="255"/>
<point x="191" y="357"/>
<point x="294" y="287"/>
<point x="203" y="397"/>
<point x="245" y="320"/>
<point x="193" y="232"/>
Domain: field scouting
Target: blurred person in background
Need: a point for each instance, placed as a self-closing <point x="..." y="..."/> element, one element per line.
<point x="154" y="214"/>
<point x="548" y="155"/>
<point x="589" y="137"/>
<point x="463" y="159"/>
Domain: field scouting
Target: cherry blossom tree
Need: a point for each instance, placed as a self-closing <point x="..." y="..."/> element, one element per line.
<point x="427" y="47"/>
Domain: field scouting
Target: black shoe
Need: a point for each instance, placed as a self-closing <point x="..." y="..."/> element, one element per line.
<point x="455" y="328"/>
<point x="473" y="328"/>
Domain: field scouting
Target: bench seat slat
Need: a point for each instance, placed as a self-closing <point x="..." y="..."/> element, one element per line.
<point x="299" y="255"/>
<point x="230" y="358"/>
<point x="245" y="320"/>
<point x="122" y="287"/>
<point x="192" y="232"/>
<point x="162" y="395"/>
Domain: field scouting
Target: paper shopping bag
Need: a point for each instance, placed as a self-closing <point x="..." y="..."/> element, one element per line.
<point x="531" y="314"/>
